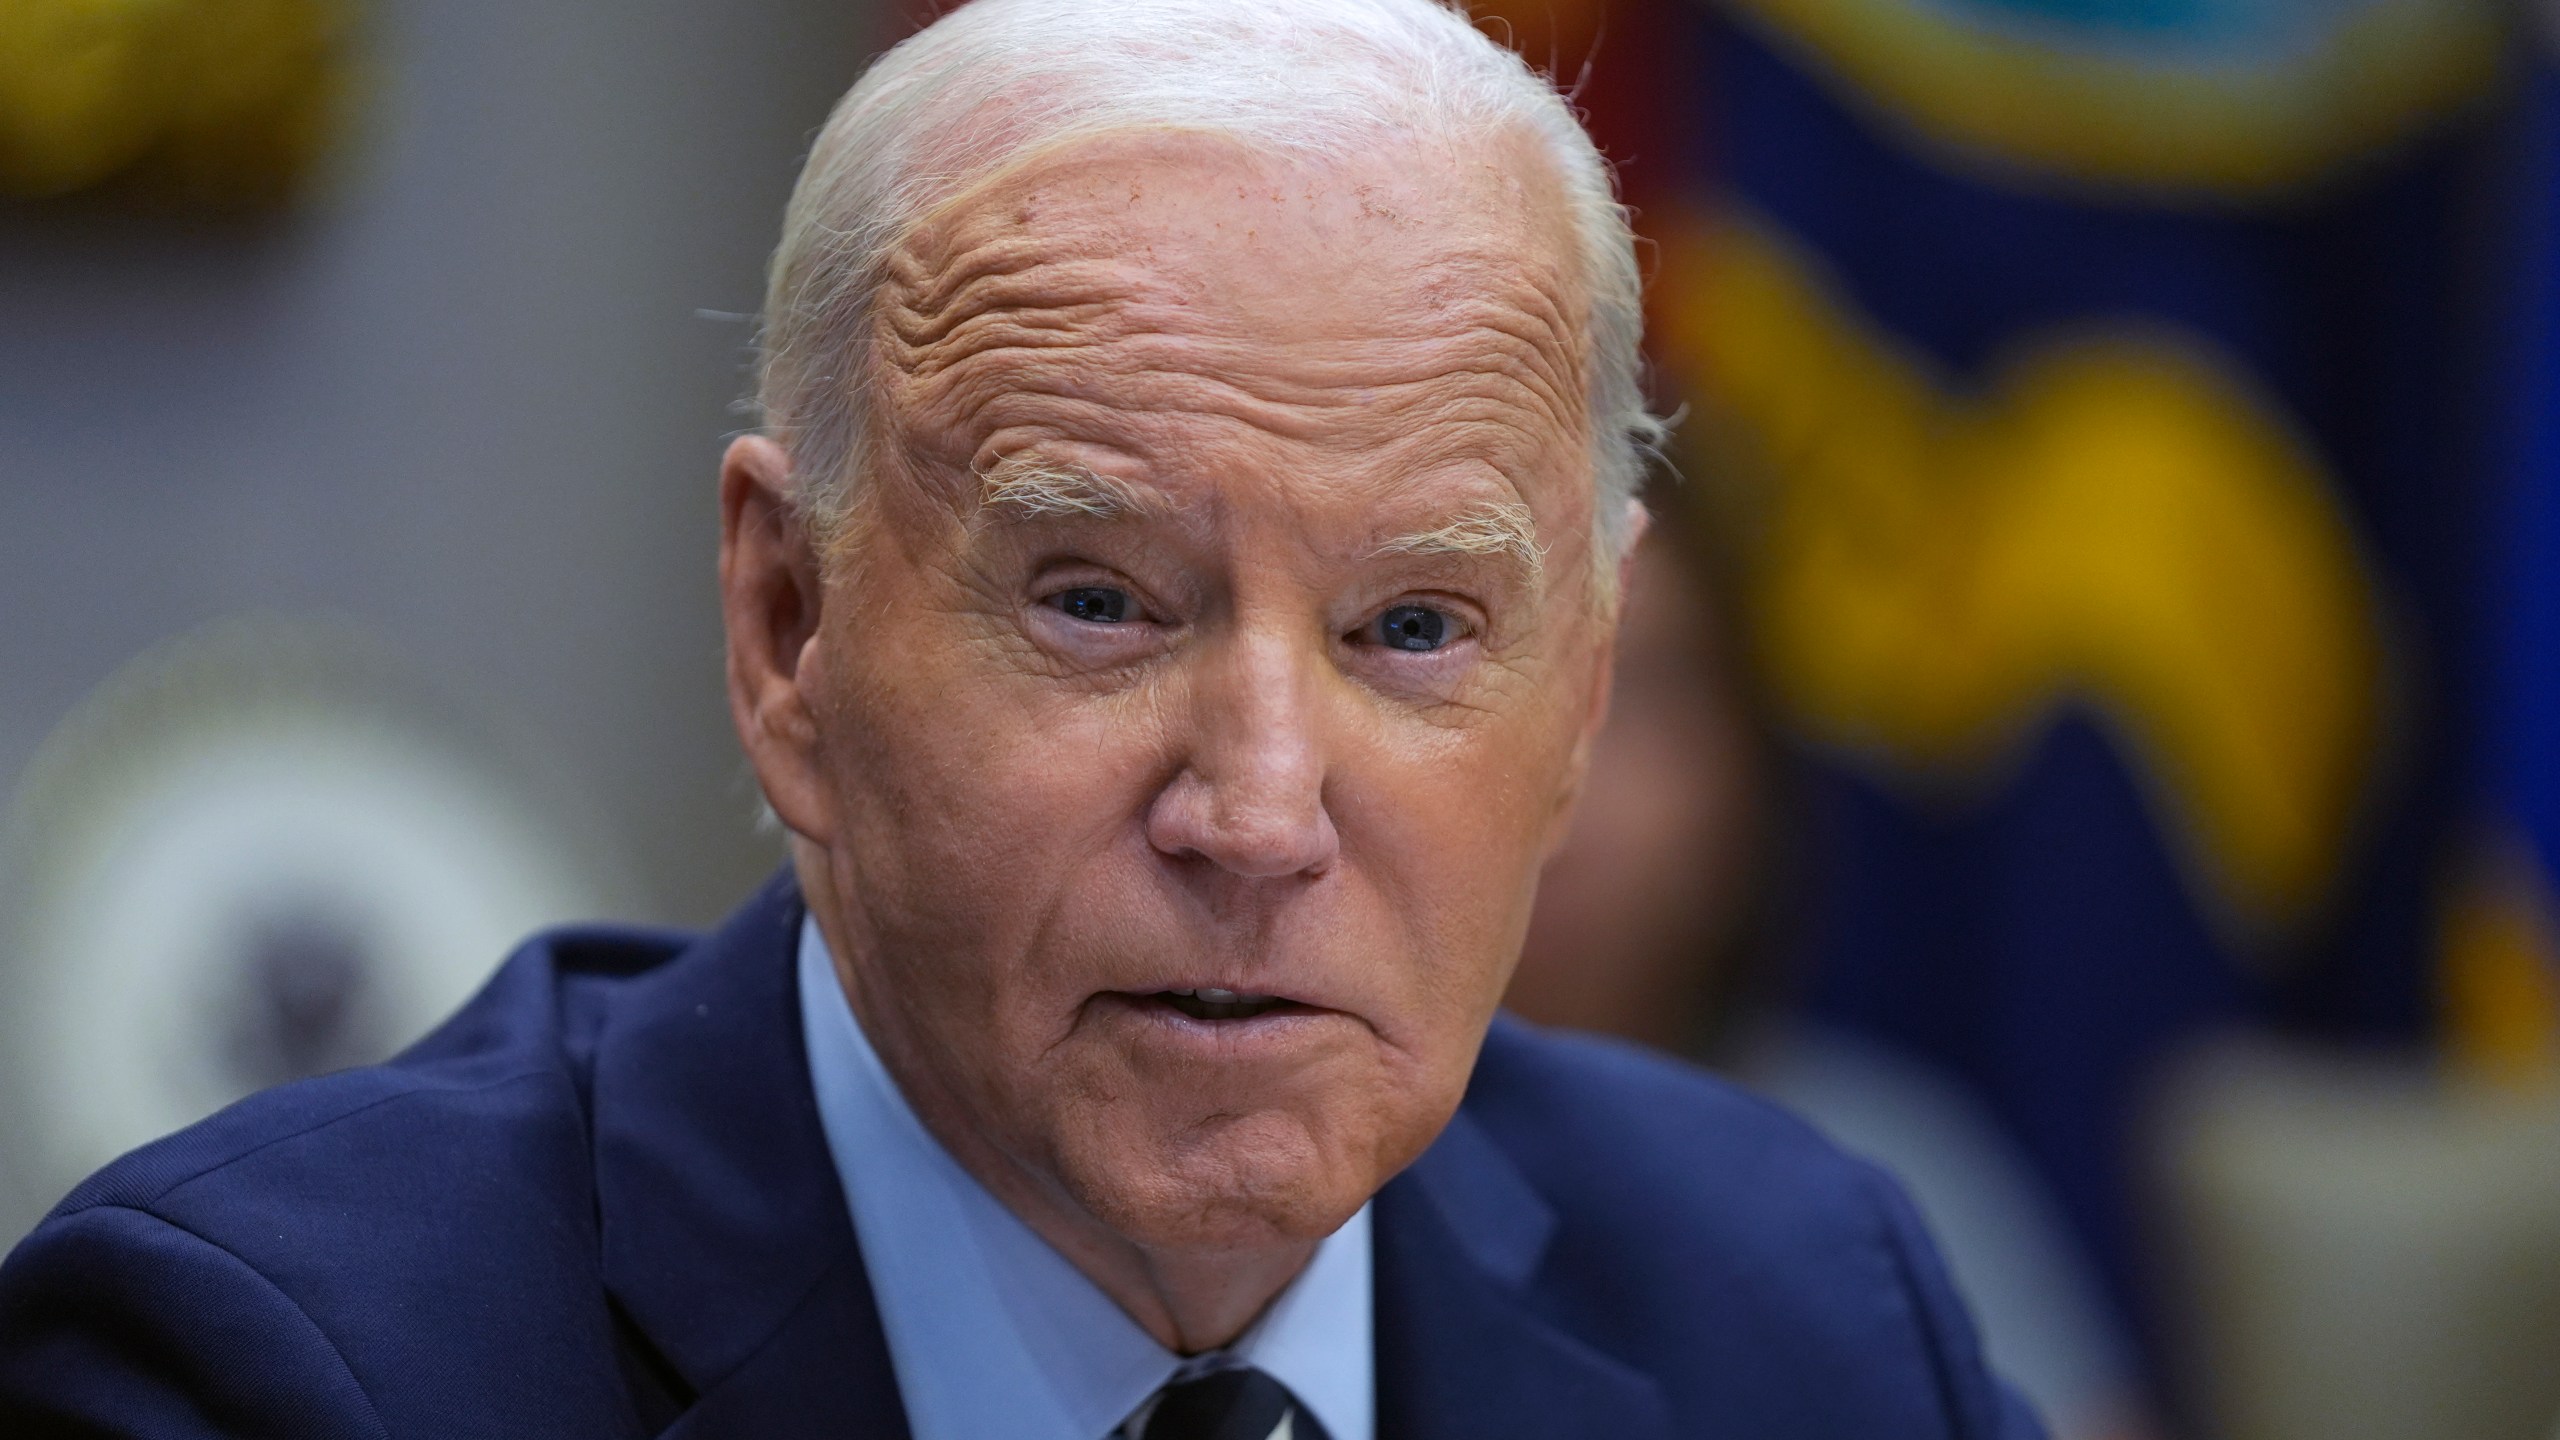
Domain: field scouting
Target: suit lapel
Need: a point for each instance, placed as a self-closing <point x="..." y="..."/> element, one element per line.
<point x="726" y="1237"/>
<point x="1462" y="1353"/>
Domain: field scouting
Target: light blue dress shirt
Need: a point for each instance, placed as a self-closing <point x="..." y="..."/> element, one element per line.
<point x="994" y="1335"/>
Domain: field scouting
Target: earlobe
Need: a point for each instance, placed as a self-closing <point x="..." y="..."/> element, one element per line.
<point x="772" y="595"/>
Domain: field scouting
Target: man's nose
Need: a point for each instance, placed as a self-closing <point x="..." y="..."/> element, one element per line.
<point x="1249" y="797"/>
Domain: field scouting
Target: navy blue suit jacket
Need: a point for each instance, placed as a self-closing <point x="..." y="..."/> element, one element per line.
<point x="597" y="1203"/>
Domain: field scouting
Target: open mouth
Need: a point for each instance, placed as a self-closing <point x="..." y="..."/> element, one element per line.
<point x="1211" y="1003"/>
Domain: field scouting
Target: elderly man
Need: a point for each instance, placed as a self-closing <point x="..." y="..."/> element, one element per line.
<point x="1168" y="607"/>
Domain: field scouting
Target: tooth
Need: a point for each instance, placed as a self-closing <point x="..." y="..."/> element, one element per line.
<point x="1186" y="992"/>
<point x="1216" y="996"/>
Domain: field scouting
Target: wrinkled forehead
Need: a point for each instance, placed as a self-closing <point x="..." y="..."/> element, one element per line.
<point x="1400" y="232"/>
<point x="1398" y="310"/>
<point x="1490" y="190"/>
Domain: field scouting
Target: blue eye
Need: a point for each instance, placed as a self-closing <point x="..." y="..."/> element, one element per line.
<point x="1094" y="603"/>
<point x="1413" y="627"/>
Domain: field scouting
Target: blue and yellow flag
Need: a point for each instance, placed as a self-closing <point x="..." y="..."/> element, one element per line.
<point x="2500" y="973"/>
<point x="2089" y="383"/>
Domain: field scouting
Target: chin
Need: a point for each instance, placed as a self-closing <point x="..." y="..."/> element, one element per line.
<point x="1224" y="1182"/>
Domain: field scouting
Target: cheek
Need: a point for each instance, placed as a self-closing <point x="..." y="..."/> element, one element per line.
<point x="976" y="803"/>
<point x="1448" y="833"/>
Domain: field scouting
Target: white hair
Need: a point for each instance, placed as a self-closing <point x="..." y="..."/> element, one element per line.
<point x="995" y="80"/>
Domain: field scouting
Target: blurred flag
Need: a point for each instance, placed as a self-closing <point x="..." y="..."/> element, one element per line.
<point x="2501" y="942"/>
<point x="2086" y="381"/>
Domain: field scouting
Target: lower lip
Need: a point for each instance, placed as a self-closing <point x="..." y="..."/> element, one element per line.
<point x="1279" y="1029"/>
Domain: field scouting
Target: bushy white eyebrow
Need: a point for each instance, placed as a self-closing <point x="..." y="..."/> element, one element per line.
<point x="1035" y="489"/>
<point x="1492" y="528"/>
<point x="1038" y="489"/>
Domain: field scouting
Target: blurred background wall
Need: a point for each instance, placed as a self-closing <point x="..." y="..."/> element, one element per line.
<point x="455" y="400"/>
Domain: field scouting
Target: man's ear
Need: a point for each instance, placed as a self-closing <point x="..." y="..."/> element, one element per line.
<point x="772" y="590"/>
<point x="1639" y="521"/>
<point x="1595" y="712"/>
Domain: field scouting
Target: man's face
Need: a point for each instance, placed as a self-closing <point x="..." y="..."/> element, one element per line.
<point x="1220" y="617"/>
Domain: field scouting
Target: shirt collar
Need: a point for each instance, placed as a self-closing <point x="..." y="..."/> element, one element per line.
<point x="993" y="1334"/>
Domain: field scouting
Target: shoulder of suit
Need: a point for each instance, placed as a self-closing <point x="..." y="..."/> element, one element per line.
<point x="1712" y="1240"/>
<point x="1629" y="1141"/>
<point x="504" y="1073"/>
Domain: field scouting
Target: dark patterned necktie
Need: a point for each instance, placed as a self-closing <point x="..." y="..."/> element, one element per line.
<point x="1229" y="1405"/>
